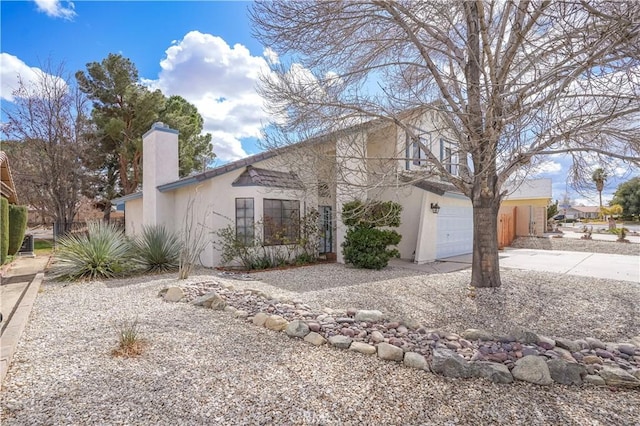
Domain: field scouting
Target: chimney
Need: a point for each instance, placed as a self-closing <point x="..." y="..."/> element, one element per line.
<point x="159" y="166"/>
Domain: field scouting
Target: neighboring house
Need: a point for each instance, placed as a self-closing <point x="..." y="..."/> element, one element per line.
<point x="7" y="187"/>
<point x="523" y="211"/>
<point x="437" y="219"/>
<point x="582" y="212"/>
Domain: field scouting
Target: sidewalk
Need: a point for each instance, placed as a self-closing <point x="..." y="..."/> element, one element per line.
<point x="18" y="290"/>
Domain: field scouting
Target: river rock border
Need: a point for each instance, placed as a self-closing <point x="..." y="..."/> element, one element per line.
<point x="522" y="355"/>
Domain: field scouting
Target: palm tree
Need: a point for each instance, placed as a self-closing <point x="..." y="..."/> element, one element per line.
<point x="599" y="176"/>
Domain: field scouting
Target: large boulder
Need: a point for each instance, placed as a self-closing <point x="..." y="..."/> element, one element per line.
<point x="205" y="299"/>
<point x="532" y="369"/>
<point x="315" y="339"/>
<point x="340" y="342"/>
<point x="448" y="363"/>
<point x="415" y="360"/>
<point x="260" y="318"/>
<point x="497" y="373"/>
<point x="615" y="376"/>
<point x="566" y="373"/>
<point x="363" y="348"/>
<point x="297" y="329"/>
<point x="476" y="334"/>
<point x="174" y="294"/>
<point x="369" y="316"/>
<point x="390" y="352"/>
<point x="276" y="323"/>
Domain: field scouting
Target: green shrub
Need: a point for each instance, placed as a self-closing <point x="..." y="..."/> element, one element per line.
<point x="157" y="249"/>
<point x="103" y="252"/>
<point x="4" y="230"/>
<point x="17" y="227"/>
<point x="367" y="247"/>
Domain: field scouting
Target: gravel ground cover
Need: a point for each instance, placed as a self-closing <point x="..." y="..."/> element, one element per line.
<point x="206" y="367"/>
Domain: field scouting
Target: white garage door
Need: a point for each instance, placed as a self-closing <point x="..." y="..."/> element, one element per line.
<point x="455" y="231"/>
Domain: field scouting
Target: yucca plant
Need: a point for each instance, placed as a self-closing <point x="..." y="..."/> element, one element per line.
<point x="157" y="249"/>
<point x="103" y="252"/>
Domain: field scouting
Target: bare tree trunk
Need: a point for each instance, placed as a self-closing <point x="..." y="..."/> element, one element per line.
<point x="485" y="271"/>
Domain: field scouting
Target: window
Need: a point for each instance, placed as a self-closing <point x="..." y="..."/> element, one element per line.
<point x="281" y="221"/>
<point x="447" y="157"/>
<point x="244" y="220"/>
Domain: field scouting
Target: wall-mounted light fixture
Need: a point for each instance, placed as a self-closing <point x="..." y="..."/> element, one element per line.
<point x="435" y="208"/>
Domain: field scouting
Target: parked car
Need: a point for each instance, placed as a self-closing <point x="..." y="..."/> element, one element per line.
<point x="559" y="217"/>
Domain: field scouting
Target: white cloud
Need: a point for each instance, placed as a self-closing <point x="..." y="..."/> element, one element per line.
<point x="271" y="56"/>
<point x="547" y="167"/>
<point x="12" y="69"/>
<point x="220" y="81"/>
<point x="55" y="9"/>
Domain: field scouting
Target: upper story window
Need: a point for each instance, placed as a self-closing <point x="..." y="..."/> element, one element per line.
<point x="281" y="221"/>
<point x="448" y="156"/>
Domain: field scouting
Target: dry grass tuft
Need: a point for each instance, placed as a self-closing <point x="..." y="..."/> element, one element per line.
<point x="130" y="344"/>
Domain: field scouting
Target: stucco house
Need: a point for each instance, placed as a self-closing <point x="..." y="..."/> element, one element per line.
<point x="7" y="187"/>
<point x="322" y="173"/>
<point x="582" y="212"/>
<point x="525" y="207"/>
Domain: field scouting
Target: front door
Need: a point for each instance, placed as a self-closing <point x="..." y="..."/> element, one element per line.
<point x="326" y="229"/>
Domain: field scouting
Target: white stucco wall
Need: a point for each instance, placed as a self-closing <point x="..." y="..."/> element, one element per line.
<point x="133" y="216"/>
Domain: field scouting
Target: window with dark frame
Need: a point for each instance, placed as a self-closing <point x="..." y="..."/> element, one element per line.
<point x="245" y="214"/>
<point x="281" y="221"/>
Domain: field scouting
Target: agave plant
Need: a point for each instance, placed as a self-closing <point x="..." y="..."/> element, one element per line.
<point x="157" y="249"/>
<point x="103" y="252"/>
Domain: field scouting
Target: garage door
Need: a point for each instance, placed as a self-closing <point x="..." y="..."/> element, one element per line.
<point x="455" y="231"/>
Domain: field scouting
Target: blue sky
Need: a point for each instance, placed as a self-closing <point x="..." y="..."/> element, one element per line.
<point x="201" y="50"/>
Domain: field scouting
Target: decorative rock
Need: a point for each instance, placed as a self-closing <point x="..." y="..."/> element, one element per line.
<point x="449" y="364"/>
<point x="377" y="337"/>
<point x="315" y="339"/>
<point x="390" y="352"/>
<point x="567" y="344"/>
<point x="347" y="332"/>
<point x="402" y="329"/>
<point x="595" y="343"/>
<point x="594" y="379"/>
<point x="229" y="309"/>
<point x="497" y="373"/>
<point x="546" y="343"/>
<point x="636" y="374"/>
<point x="530" y="351"/>
<point x="363" y="348"/>
<point x="627" y="349"/>
<point x="297" y="329"/>
<point x="527" y="337"/>
<point x="636" y="341"/>
<point x="241" y="314"/>
<point x="345" y="320"/>
<point x="566" y="373"/>
<point x="564" y="354"/>
<point x="205" y="299"/>
<point x="476" y="334"/>
<point x="604" y="354"/>
<point x="592" y="359"/>
<point x="415" y="360"/>
<point x="532" y="369"/>
<point x="217" y="303"/>
<point x="276" y="323"/>
<point x="340" y="342"/>
<point x="314" y="326"/>
<point x="351" y="312"/>
<point x="369" y="316"/>
<point x="615" y="376"/>
<point x="453" y="345"/>
<point x="260" y="318"/>
<point x="173" y="294"/>
<point x="582" y="343"/>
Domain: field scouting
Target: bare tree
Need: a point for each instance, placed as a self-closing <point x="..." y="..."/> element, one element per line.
<point x="512" y="82"/>
<point x="49" y="126"/>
